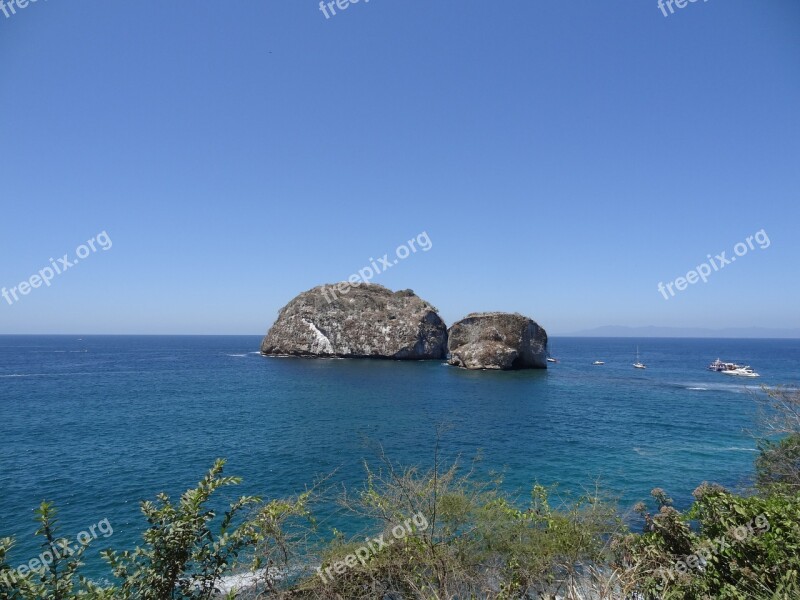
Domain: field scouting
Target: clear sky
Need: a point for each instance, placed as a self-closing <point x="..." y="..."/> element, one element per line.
<point x="563" y="157"/>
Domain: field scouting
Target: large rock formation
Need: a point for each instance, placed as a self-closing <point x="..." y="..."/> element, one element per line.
<point x="364" y="321"/>
<point x="497" y="340"/>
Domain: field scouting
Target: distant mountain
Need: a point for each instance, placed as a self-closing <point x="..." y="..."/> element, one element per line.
<point x="686" y="332"/>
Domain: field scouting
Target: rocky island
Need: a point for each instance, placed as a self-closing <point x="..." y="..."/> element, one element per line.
<point x="497" y="340"/>
<point x="357" y="321"/>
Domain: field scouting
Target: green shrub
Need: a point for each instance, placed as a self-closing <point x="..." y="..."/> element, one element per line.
<point x="477" y="543"/>
<point x="740" y="548"/>
<point x="778" y="463"/>
<point x="54" y="579"/>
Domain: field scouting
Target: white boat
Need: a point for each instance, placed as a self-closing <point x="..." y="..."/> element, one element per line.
<point x="598" y="362"/>
<point x="728" y="368"/>
<point x="550" y="358"/>
<point x="638" y="364"/>
<point x="721" y="367"/>
<point x="741" y="372"/>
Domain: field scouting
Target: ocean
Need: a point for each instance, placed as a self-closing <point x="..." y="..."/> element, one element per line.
<point x="96" y="424"/>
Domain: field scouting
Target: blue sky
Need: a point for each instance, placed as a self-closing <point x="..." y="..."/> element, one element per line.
<point x="563" y="157"/>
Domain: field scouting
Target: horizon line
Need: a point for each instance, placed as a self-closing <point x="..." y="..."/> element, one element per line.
<point x="550" y="336"/>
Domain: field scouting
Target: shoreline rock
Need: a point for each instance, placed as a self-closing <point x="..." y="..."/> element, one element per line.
<point x="497" y="340"/>
<point x="364" y="321"/>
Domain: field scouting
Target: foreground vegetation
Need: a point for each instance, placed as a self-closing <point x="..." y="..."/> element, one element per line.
<point x="445" y="534"/>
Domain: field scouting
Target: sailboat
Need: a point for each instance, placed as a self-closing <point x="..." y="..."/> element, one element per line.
<point x="550" y="358"/>
<point x="638" y="364"/>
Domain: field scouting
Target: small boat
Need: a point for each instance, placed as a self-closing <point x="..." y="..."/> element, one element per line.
<point x="638" y="364"/>
<point x="550" y="358"/>
<point x="721" y="367"/>
<point x="598" y="362"/>
<point x="741" y="372"/>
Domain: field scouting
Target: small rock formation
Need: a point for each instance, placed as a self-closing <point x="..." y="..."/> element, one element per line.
<point x="357" y="321"/>
<point x="497" y="340"/>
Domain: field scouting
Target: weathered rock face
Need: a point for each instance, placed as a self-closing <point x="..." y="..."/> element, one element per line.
<point x="368" y="321"/>
<point x="497" y="340"/>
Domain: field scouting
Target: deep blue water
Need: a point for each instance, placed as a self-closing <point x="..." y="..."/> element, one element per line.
<point x="98" y="423"/>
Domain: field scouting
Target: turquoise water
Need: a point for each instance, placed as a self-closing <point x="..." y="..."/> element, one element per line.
<point x="99" y="423"/>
